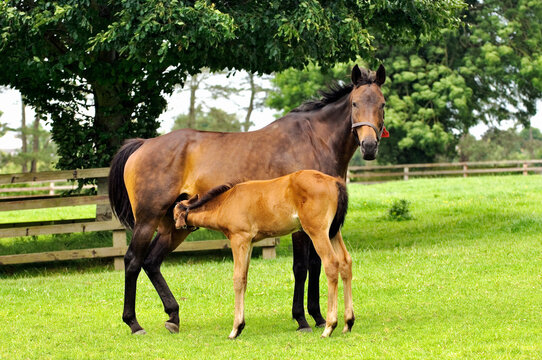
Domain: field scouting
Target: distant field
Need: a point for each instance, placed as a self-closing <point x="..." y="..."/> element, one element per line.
<point x="461" y="279"/>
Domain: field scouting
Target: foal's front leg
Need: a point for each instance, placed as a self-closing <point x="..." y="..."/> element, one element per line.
<point x="242" y="249"/>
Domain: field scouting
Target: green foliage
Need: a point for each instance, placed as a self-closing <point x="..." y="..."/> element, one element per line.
<point x="487" y="70"/>
<point x="399" y="210"/>
<point x="120" y="58"/>
<point x="213" y="120"/>
<point x="45" y="155"/>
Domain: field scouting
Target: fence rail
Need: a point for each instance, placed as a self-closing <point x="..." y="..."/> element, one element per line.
<point x="371" y="174"/>
<point x="103" y="221"/>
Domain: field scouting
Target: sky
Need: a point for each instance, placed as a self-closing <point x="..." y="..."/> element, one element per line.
<point x="10" y="105"/>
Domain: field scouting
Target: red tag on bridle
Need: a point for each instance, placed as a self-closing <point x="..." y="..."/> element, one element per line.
<point x="385" y="133"/>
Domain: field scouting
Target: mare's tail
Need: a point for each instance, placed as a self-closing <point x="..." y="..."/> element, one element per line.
<point x="342" y="207"/>
<point x="118" y="196"/>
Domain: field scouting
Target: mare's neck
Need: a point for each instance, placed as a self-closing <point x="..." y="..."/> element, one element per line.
<point x="335" y="120"/>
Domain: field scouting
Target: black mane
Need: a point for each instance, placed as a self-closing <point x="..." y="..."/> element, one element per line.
<point x="335" y="92"/>
<point x="209" y="195"/>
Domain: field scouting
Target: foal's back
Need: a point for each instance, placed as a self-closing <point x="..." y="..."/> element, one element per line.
<point x="281" y="206"/>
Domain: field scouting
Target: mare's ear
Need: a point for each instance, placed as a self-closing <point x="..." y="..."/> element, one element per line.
<point x="380" y="75"/>
<point x="356" y="75"/>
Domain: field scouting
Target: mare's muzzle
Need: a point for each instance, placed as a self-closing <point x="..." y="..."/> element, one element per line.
<point x="368" y="146"/>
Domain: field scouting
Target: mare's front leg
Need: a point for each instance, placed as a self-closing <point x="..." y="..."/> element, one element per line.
<point x="313" y="290"/>
<point x="242" y="249"/>
<point x="301" y="248"/>
<point x="167" y="240"/>
<point x="306" y="258"/>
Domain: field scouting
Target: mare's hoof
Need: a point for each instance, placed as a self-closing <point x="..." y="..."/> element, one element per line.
<point x="304" y="329"/>
<point x="140" y="332"/>
<point x="173" y="328"/>
<point x="321" y="325"/>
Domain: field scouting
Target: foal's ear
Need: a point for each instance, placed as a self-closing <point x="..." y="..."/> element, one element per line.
<point x="356" y="75"/>
<point x="193" y="199"/>
<point x="380" y="75"/>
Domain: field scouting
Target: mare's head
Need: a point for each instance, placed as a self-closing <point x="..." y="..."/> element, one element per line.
<point x="367" y="104"/>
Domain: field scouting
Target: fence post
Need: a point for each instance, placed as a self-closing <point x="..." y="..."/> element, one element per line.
<point x="51" y="188"/>
<point x="103" y="212"/>
<point x="405" y="173"/>
<point x="465" y="170"/>
<point x="119" y="241"/>
<point x="525" y="172"/>
<point x="271" y="251"/>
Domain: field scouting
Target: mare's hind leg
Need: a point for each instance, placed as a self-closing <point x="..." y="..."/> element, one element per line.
<point x="133" y="260"/>
<point x="345" y="267"/>
<point x="167" y="239"/>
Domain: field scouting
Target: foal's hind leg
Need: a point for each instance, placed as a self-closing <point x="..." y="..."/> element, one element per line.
<point x="345" y="267"/>
<point x="133" y="260"/>
<point x="241" y="247"/>
<point x="165" y="242"/>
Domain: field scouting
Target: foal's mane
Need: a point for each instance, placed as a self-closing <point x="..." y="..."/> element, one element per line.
<point x="209" y="195"/>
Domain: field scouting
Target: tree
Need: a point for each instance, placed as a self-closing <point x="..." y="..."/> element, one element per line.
<point x="100" y="69"/>
<point x="498" y="144"/>
<point x="212" y="120"/>
<point x="487" y="70"/>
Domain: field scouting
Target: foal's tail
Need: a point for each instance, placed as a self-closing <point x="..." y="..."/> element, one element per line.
<point x="118" y="196"/>
<point x="342" y="207"/>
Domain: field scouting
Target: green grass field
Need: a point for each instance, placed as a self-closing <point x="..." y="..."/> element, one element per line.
<point x="461" y="280"/>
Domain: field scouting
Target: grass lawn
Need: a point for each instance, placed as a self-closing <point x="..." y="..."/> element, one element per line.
<point x="461" y="279"/>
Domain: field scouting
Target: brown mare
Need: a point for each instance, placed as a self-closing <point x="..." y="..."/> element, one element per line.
<point x="148" y="176"/>
<point x="306" y="200"/>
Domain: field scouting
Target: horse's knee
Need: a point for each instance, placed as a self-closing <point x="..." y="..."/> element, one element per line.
<point x="332" y="269"/>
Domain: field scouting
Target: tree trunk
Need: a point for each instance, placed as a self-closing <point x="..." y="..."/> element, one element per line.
<point x="250" y="108"/>
<point x="111" y="113"/>
<point x="23" y="135"/>
<point x="35" y="143"/>
<point x="194" y="84"/>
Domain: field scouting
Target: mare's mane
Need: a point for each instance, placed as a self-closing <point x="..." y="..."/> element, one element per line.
<point x="335" y="92"/>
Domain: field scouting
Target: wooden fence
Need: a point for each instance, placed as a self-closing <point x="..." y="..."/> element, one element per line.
<point x="375" y="174"/>
<point x="102" y="222"/>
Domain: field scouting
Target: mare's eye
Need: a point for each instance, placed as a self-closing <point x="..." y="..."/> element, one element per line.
<point x="383" y="105"/>
<point x="354" y="104"/>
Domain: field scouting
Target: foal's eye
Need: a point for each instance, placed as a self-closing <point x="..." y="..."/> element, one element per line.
<point x="383" y="105"/>
<point x="354" y="104"/>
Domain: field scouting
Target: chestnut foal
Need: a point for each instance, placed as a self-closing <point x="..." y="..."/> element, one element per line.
<point x="306" y="200"/>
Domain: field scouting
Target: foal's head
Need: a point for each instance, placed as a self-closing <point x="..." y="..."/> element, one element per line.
<point x="367" y="103"/>
<point x="180" y="212"/>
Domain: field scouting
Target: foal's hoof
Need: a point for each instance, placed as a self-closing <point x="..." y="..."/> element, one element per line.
<point x="321" y="325"/>
<point x="140" y="332"/>
<point x="173" y="328"/>
<point x="304" y="329"/>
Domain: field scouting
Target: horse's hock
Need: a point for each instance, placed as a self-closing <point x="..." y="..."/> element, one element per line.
<point x="104" y="220"/>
